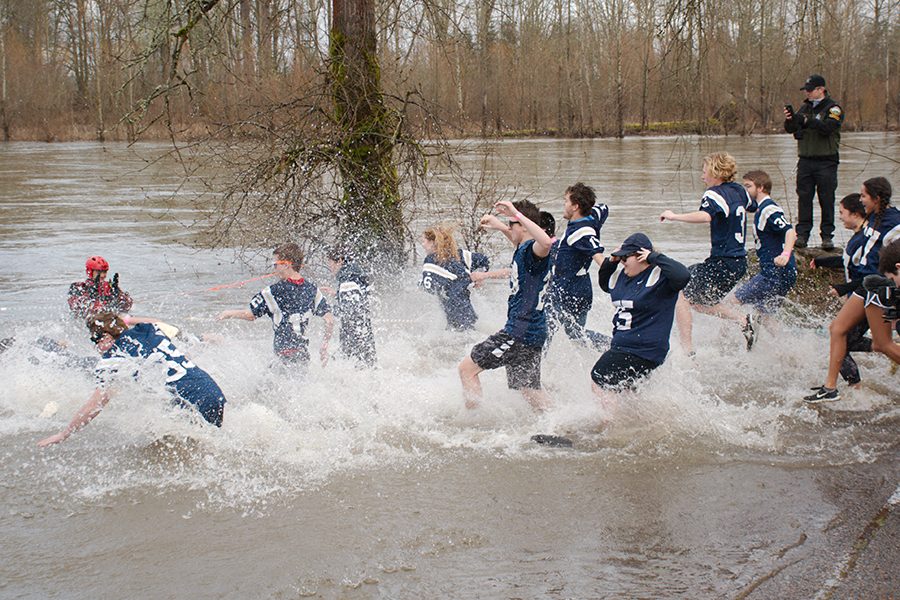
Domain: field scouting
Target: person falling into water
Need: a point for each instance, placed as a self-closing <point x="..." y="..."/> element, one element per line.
<point x="119" y="346"/>
<point x="289" y="304"/>
<point x="518" y="346"/>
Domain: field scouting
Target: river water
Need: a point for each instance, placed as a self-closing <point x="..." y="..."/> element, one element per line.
<point x="351" y="484"/>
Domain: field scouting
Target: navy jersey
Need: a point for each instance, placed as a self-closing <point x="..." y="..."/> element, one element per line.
<point x="727" y="204"/>
<point x="528" y="277"/>
<point x="575" y="252"/>
<point x="450" y="281"/>
<point x="352" y="306"/>
<point x="887" y="231"/>
<point x="289" y="303"/>
<point x="771" y="226"/>
<point x="146" y="341"/>
<point x="645" y="305"/>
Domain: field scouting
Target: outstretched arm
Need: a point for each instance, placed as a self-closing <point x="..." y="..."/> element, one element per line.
<point x="698" y="216"/>
<point x="85" y="415"/>
<point x="239" y="313"/>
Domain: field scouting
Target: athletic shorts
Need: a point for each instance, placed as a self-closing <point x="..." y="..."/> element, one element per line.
<point x="712" y="279"/>
<point x="620" y="370"/>
<point x="522" y="362"/>
<point x="765" y="293"/>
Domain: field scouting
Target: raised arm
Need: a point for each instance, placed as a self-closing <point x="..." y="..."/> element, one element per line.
<point x="542" y="241"/>
<point x="492" y="222"/>
<point x="675" y="273"/>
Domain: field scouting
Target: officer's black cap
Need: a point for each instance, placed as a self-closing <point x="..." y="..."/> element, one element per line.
<point x="812" y="82"/>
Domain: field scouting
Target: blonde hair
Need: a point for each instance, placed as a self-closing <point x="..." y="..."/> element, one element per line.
<point x="720" y="165"/>
<point x="445" y="248"/>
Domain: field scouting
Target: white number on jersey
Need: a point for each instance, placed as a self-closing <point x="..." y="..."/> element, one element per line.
<point x="622" y="318"/>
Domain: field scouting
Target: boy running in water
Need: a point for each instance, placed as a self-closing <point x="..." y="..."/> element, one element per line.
<point x="289" y="303"/>
<point x="352" y="307"/>
<point x="570" y="294"/>
<point x="518" y="345"/>
<point x="774" y="248"/>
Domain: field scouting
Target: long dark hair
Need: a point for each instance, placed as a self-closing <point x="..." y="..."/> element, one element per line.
<point x="880" y="189"/>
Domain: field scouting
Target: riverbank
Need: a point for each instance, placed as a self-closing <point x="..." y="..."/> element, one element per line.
<point x="62" y="130"/>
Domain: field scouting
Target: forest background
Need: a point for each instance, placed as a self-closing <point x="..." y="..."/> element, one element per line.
<point x="100" y="69"/>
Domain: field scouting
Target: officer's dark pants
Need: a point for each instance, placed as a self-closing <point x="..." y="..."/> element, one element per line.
<point x="816" y="176"/>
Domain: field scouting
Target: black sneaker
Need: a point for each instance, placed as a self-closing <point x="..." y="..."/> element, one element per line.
<point x="749" y="332"/>
<point x="822" y="394"/>
<point x="827" y="244"/>
<point x="801" y="242"/>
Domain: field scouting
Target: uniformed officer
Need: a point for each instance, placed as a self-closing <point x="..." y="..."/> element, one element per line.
<point x="817" y="128"/>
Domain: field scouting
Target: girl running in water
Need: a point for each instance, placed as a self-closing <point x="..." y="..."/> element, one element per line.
<point x="446" y="273"/>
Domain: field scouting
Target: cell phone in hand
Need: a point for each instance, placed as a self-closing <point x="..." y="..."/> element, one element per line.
<point x="789" y="108"/>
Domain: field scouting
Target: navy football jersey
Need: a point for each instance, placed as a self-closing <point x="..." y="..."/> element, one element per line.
<point x="645" y="305"/>
<point x="145" y="340"/>
<point x="888" y="230"/>
<point x="352" y="306"/>
<point x="528" y="277"/>
<point x="450" y="281"/>
<point x="727" y="204"/>
<point x="290" y="303"/>
<point x="771" y="226"/>
<point x="853" y="254"/>
<point x="574" y="255"/>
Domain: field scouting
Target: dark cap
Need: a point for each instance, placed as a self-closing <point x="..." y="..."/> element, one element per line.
<point x="812" y="82"/>
<point x="632" y="244"/>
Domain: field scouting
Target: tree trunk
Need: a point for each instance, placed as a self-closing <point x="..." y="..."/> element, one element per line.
<point x="4" y="116"/>
<point x="372" y="221"/>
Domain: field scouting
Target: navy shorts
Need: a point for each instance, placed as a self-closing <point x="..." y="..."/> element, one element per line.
<point x="765" y="293"/>
<point x="712" y="279"/>
<point x="619" y="370"/>
<point x="522" y="362"/>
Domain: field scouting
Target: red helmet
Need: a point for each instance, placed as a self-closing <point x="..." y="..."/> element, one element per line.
<point x="96" y="263"/>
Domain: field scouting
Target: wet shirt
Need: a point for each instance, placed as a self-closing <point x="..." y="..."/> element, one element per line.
<point x="528" y="277"/>
<point x="771" y="226"/>
<point x="727" y="204"/>
<point x="352" y="307"/>
<point x="645" y="305"/>
<point x="887" y="231"/>
<point x="450" y="281"/>
<point x="146" y="341"/>
<point x="575" y="252"/>
<point x="290" y="303"/>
